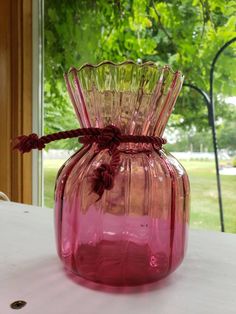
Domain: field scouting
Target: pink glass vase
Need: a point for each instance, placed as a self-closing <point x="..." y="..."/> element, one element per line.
<point x="136" y="233"/>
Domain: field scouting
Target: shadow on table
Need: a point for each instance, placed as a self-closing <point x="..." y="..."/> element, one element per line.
<point x="44" y="274"/>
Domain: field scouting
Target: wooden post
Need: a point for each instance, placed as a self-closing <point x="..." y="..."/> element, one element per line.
<point x="15" y="97"/>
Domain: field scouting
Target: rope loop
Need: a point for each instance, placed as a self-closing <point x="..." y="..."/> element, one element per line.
<point x="109" y="137"/>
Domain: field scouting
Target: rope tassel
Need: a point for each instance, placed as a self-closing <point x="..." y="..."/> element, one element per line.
<point x="109" y="137"/>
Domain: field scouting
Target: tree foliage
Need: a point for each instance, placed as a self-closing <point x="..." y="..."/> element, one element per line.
<point x="185" y="34"/>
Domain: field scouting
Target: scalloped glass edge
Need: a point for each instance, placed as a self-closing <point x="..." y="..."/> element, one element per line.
<point x="105" y="62"/>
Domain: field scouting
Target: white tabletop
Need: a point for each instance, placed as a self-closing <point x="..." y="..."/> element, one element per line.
<point x="31" y="271"/>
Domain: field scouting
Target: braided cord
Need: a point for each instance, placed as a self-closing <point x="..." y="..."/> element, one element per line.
<point x="109" y="137"/>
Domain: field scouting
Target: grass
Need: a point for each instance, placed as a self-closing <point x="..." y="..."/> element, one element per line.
<point x="50" y="168"/>
<point x="204" y="197"/>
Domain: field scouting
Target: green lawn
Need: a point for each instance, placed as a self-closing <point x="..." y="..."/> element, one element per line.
<point x="204" y="198"/>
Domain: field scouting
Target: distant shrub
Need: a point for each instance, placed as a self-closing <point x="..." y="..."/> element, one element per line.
<point x="234" y="162"/>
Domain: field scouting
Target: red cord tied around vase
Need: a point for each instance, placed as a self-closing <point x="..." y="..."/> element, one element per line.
<point x="109" y="138"/>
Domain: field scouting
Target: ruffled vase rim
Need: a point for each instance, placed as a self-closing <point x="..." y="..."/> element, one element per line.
<point x="126" y="62"/>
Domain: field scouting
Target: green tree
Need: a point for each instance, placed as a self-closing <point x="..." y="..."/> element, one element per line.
<point x="185" y="34"/>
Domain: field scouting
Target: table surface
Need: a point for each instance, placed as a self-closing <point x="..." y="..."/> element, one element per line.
<point x="31" y="271"/>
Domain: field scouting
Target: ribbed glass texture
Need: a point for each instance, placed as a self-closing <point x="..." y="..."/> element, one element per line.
<point x="137" y="232"/>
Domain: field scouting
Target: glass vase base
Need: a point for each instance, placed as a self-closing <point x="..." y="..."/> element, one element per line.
<point x="118" y="263"/>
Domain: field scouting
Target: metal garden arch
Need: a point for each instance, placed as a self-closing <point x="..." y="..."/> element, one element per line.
<point x="209" y="100"/>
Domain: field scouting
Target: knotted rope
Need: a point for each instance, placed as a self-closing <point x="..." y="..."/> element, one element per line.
<point x="109" y="138"/>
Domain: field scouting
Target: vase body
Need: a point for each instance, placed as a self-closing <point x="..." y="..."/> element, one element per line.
<point x="137" y="232"/>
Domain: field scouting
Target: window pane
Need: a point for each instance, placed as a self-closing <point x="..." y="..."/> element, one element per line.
<point x="76" y="32"/>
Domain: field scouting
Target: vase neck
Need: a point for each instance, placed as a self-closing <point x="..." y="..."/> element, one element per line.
<point x="139" y="104"/>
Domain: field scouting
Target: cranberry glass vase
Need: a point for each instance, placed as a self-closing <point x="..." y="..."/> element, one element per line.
<point x="136" y="232"/>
